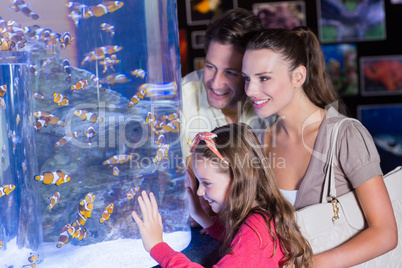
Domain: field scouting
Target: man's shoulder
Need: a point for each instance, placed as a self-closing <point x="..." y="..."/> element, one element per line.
<point x="195" y="76"/>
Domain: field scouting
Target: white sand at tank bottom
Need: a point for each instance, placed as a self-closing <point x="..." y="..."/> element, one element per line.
<point x="117" y="253"/>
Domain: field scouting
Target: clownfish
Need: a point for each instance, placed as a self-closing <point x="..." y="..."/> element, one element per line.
<point x="85" y="210"/>
<point x="67" y="69"/>
<point x="6" y="189"/>
<point x="39" y="124"/>
<point x="90" y="133"/>
<point x="162" y="152"/>
<point x="136" y="98"/>
<point x="65" y="40"/>
<point x="67" y="138"/>
<point x="3" y="90"/>
<point x="116" y="171"/>
<point x="139" y="73"/>
<point x="86" y="115"/>
<point x="109" y="62"/>
<point x="78" y="231"/>
<point x="106" y="213"/>
<point x="37" y="95"/>
<point x="150" y="120"/>
<point x="116" y="79"/>
<point x="49" y="118"/>
<point x="173" y="116"/>
<point x="33" y="258"/>
<point x="161" y="139"/>
<point x="3" y="103"/>
<point x="133" y="191"/>
<point x="20" y="5"/>
<point x="57" y="178"/>
<point x="1" y="244"/>
<point x="102" y="9"/>
<point x="89" y="198"/>
<point x="60" y="99"/>
<point x="108" y="28"/>
<point x="81" y="218"/>
<point x="63" y="237"/>
<point x="117" y="159"/>
<point x="80" y="85"/>
<point x="54" y="199"/>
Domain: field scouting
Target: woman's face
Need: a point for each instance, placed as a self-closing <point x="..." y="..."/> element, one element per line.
<point x="267" y="81"/>
<point x="213" y="185"/>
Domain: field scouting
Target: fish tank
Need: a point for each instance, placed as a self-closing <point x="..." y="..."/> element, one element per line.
<point x="90" y="116"/>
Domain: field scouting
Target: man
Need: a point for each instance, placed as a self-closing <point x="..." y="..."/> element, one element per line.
<point x="215" y="96"/>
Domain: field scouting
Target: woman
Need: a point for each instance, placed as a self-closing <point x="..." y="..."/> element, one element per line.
<point x="284" y="73"/>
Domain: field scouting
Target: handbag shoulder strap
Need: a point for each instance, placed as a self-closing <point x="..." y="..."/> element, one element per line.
<point x="329" y="181"/>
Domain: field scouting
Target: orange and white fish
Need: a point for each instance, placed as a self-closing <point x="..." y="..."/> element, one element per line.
<point x="109" y="62"/>
<point x="6" y="189"/>
<point x="161" y="139"/>
<point x="89" y="198"/>
<point x="139" y="73"/>
<point x="39" y="124"/>
<point x="57" y="178"/>
<point x="117" y="159"/>
<point x="90" y="133"/>
<point x="63" y="237"/>
<point x="78" y="231"/>
<point x="65" y="40"/>
<point x="3" y="90"/>
<point x="3" y="103"/>
<point x="162" y="152"/>
<point x="18" y="119"/>
<point x="60" y="99"/>
<point x="150" y="120"/>
<point x="33" y="258"/>
<point x="54" y="199"/>
<point x="49" y="118"/>
<point x="133" y="191"/>
<point x="86" y="210"/>
<point x="37" y="95"/>
<point x="87" y="115"/>
<point x="67" y="69"/>
<point x="116" y="171"/>
<point x="102" y="9"/>
<point x="1" y="244"/>
<point x="67" y="138"/>
<point x="173" y="116"/>
<point x="106" y="213"/>
<point x="136" y="98"/>
<point x="116" y="79"/>
<point x="20" y="5"/>
<point x="108" y="28"/>
<point x="99" y="53"/>
<point x="159" y="89"/>
<point x="80" y="85"/>
<point x="81" y="218"/>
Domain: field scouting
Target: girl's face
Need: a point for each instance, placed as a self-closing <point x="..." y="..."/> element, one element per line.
<point x="213" y="185"/>
<point x="267" y="81"/>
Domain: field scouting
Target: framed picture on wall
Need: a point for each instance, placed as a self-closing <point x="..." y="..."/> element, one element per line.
<point x="350" y="21"/>
<point x="197" y="39"/>
<point x="198" y="63"/>
<point x="381" y="75"/>
<point x="200" y="12"/>
<point x="380" y="121"/>
<point x="396" y="1"/>
<point x="341" y="64"/>
<point x="281" y="14"/>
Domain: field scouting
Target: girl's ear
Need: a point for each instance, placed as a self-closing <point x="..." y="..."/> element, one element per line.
<point x="299" y="76"/>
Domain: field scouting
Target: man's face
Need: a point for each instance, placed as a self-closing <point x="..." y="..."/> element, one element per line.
<point x="222" y="75"/>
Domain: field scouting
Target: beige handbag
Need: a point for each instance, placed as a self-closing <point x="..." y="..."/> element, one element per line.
<point x="331" y="223"/>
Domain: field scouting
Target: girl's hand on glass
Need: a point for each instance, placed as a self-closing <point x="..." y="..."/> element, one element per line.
<point x="151" y="228"/>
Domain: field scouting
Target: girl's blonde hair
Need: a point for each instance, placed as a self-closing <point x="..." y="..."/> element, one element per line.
<point x="252" y="180"/>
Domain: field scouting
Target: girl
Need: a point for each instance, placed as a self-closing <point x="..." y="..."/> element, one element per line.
<point x="257" y="225"/>
<point x="284" y="72"/>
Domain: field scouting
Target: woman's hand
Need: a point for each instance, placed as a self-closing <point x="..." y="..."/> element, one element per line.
<point x="151" y="228"/>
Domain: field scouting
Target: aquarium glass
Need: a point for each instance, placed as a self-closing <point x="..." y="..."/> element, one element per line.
<point x="90" y="116"/>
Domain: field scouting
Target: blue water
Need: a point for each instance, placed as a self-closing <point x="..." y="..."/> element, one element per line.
<point x="126" y="153"/>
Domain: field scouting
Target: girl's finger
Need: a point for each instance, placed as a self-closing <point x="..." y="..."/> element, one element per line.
<point x="136" y="218"/>
<point x="154" y="205"/>
<point x="147" y="202"/>
<point x="143" y="208"/>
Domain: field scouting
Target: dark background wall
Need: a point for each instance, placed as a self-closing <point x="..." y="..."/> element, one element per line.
<point x="392" y="45"/>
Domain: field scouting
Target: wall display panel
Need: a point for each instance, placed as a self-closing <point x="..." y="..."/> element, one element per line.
<point x="381" y="75"/>
<point x="341" y="64"/>
<point x="198" y="63"/>
<point x="198" y="39"/>
<point x="351" y="21"/>
<point x="200" y="12"/>
<point x="281" y="14"/>
<point x="383" y="123"/>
